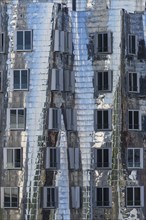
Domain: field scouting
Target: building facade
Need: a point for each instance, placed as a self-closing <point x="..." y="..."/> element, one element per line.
<point x="73" y="110"/>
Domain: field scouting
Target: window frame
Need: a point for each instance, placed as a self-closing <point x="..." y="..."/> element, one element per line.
<point x="75" y="197"/>
<point x="102" y="199"/>
<point x="109" y="158"/>
<point x="138" y="82"/>
<point x="50" y="156"/>
<point x="51" y="116"/>
<point x="140" y="158"/>
<point x="96" y="125"/>
<point x="3" y="198"/>
<point x="74" y="158"/>
<point x="96" y="81"/>
<point x="31" y="40"/>
<point x="5" y="153"/>
<point x="17" y="109"/>
<point x="109" y="42"/>
<point x="69" y="81"/>
<point x="20" y="73"/>
<point x="45" y="189"/>
<point x="71" y="119"/>
<point x="133" y="195"/>
<point x="2" y="42"/>
<point x="133" y="124"/>
<point x="130" y="44"/>
<point x="56" y="80"/>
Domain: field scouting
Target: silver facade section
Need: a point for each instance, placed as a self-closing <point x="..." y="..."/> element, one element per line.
<point x="84" y="102"/>
<point x="77" y="176"/>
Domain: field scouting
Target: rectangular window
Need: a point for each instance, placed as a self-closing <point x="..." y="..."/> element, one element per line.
<point x="52" y="158"/>
<point x="135" y="196"/>
<point x="9" y="197"/>
<point x="134" y="120"/>
<point x="12" y="158"/>
<point x="2" y="42"/>
<point x="133" y="82"/>
<point x="103" y="158"/>
<point x="75" y="197"/>
<point x="17" y="119"/>
<point x="58" y="42"/>
<point x="54" y="118"/>
<point x="74" y="5"/>
<point x="50" y="195"/>
<point x="56" y="80"/>
<point x="69" y="81"/>
<point x="71" y="119"/>
<point x="103" y="81"/>
<point x="135" y="157"/>
<point x="20" y="79"/>
<point x="24" y="40"/>
<point x="103" y="42"/>
<point x="103" y="196"/>
<point x="103" y="119"/>
<point x="74" y="161"/>
<point x="68" y="42"/>
<point x="132" y="39"/>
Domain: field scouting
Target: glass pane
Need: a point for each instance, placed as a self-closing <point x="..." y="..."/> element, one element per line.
<point x="17" y="158"/>
<point x="130" y="49"/>
<point x="99" y="196"/>
<point x="133" y="45"/>
<point x="99" y="42"/>
<point x="137" y="157"/>
<point x="57" y="80"/>
<point x="21" y="118"/>
<point x="27" y="40"/>
<point x="106" y="86"/>
<point x="106" y="196"/>
<point x="99" y="158"/>
<point x="19" y="40"/>
<point x="24" y="79"/>
<point x="136" y="120"/>
<point x="55" y="118"/>
<point x="105" y="119"/>
<point x="50" y="197"/>
<point x="99" y="119"/>
<point x="53" y="197"/>
<point x="9" y="158"/>
<point x="106" y="158"/>
<point x="130" y="119"/>
<point x="129" y="196"/>
<point x="105" y="43"/>
<point x="135" y="82"/>
<point x="16" y="79"/>
<point x="7" y="201"/>
<point x="53" y="157"/>
<point x="100" y="81"/>
<point x="137" y="196"/>
<point x="12" y="118"/>
<point x="130" y="81"/>
<point x="130" y="157"/>
<point x="14" y="194"/>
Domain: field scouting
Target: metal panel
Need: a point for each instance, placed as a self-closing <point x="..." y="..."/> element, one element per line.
<point x="56" y="40"/>
<point x="75" y="197"/>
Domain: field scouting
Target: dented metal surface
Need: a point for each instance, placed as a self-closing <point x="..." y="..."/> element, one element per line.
<point x="50" y="20"/>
